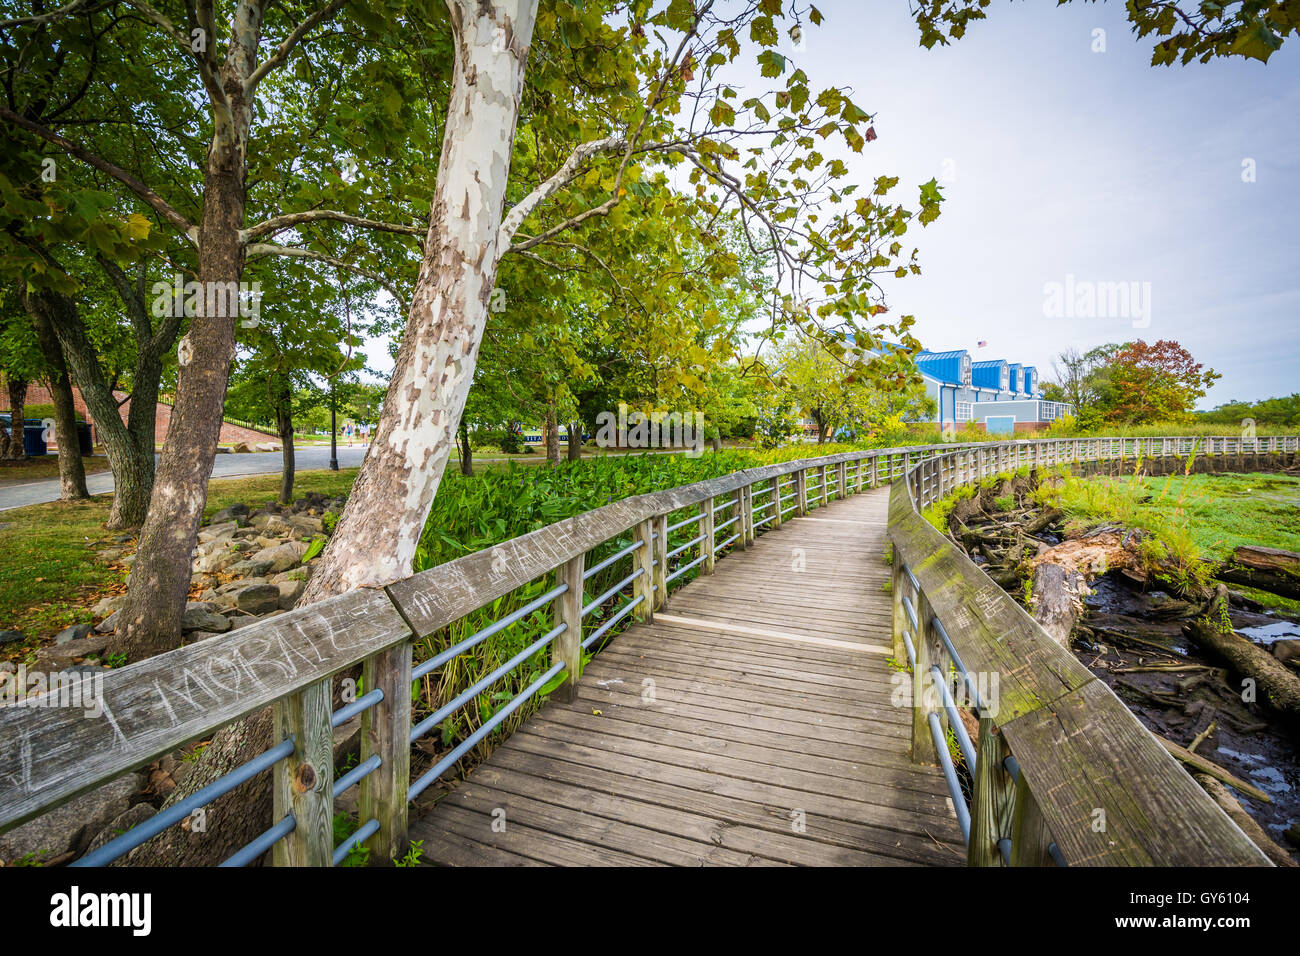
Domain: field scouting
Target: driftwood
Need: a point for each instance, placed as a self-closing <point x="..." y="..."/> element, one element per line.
<point x="1279" y="687"/>
<point x="1201" y="765"/>
<point x="1060" y="578"/>
<point x="1268" y="569"/>
<point x="1239" y="816"/>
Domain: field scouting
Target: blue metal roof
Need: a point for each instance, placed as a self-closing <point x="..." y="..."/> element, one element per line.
<point x="1030" y="381"/>
<point x="944" y="366"/>
<point x="1015" y="368"/>
<point x="988" y="374"/>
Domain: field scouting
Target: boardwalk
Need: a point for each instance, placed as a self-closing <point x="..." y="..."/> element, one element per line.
<point x="750" y="724"/>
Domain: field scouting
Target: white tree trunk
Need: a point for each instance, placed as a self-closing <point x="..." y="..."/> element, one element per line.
<point x="377" y="537"/>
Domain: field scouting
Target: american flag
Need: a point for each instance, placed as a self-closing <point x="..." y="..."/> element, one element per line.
<point x="980" y="344"/>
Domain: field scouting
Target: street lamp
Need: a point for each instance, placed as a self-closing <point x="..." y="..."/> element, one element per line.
<point x="334" y="448"/>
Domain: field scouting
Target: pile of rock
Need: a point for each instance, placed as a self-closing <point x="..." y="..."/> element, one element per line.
<point x="248" y="564"/>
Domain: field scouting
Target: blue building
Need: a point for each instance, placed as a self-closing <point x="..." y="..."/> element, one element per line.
<point x="1003" y="396"/>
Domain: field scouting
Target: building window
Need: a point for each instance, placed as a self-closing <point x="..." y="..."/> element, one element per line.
<point x="965" y="410"/>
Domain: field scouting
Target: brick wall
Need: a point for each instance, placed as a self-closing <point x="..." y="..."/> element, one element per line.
<point x="40" y="395"/>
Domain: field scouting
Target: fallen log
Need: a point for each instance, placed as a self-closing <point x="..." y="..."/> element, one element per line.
<point x="1199" y="763"/>
<point x="1268" y="569"/>
<point x="1237" y="814"/>
<point x="1279" y="688"/>
<point x="1060" y="578"/>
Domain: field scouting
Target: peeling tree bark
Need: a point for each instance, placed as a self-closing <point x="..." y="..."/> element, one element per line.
<point x="377" y="536"/>
<point x="16" y="448"/>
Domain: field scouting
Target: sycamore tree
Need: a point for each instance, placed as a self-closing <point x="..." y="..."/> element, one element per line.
<point x="288" y="115"/>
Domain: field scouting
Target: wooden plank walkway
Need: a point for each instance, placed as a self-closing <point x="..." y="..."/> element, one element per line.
<point x="750" y="724"/>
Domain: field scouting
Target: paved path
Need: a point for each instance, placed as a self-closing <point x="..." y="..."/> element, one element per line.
<point x="770" y="739"/>
<point x="223" y="466"/>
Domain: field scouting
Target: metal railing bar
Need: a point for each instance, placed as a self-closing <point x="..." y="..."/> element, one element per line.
<point x="684" y="522"/>
<point x="718" y="528"/>
<point x="596" y="569"/>
<point x="615" y="589"/>
<point x="252" y="850"/>
<point x="623" y="612"/>
<point x="479" y="636"/>
<point x="465" y="696"/>
<point x="363" y="833"/>
<point x="181" y="809"/>
<point x="950" y="775"/>
<point x="348" y="711"/>
<point x="689" y="544"/>
<point x="685" y="567"/>
<point x="356" y="774"/>
<point x="954" y="718"/>
<point x="725" y="543"/>
<point x="438" y="769"/>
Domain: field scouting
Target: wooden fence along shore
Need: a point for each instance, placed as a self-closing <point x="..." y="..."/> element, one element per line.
<point x="777" y="728"/>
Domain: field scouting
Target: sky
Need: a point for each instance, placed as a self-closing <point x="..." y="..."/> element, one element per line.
<point x="1060" y="161"/>
<point x="1061" y="164"/>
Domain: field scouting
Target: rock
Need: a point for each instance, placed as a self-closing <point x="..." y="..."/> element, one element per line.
<point x="267" y="446"/>
<point x="110" y="556"/>
<point x="282" y="557"/>
<point x="108" y="625"/>
<point x="257" y="598"/>
<point x="240" y="448"/>
<point x="120" y="824"/>
<point x="1288" y="652"/>
<point x="74" y="633"/>
<point x="71" y="826"/>
<point x="290" y="591"/>
<point x="201" y="619"/>
<point x="123" y="538"/>
<point x="60" y="656"/>
<point x="215" y="531"/>
<point x="217" y="561"/>
<point x="12" y="637"/>
<point x="231" y="514"/>
<point x="306" y="523"/>
<point x="108" y="605"/>
<point x="276" y="527"/>
<point x="250" y="568"/>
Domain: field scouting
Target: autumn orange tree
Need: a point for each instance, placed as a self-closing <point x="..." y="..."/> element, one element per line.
<point x="1155" y="383"/>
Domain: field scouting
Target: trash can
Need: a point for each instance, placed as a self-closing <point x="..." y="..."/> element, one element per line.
<point x="83" y="438"/>
<point x="33" y="437"/>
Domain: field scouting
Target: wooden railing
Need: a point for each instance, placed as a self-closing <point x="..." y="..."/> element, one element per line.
<point x="51" y="753"/>
<point x="1061" y="771"/>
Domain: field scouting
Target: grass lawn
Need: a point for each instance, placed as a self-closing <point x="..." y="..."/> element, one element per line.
<point x="47" y="466"/>
<point x="49" y="575"/>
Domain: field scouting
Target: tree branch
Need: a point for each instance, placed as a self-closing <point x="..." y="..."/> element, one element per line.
<point x="562" y="177"/>
<point x="263" y="249"/>
<point x="276" y="60"/>
<point x="156" y="202"/>
<point x="289" y="220"/>
<point x="203" y="61"/>
<point x="44" y="17"/>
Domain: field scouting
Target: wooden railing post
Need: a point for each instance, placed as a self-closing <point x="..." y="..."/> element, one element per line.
<point x="304" y="781"/>
<point x="992" y="799"/>
<point x="844" y="487"/>
<point x="746" y="503"/>
<point x="1029" y="835"/>
<point x="776" y="502"/>
<point x="568" y="645"/>
<point x="660" y="525"/>
<point x="706" y="529"/>
<point x="643" y="558"/>
<point x="922" y="743"/>
<point x="825" y="493"/>
<point x="801" y="490"/>
<point x="385" y="733"/>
